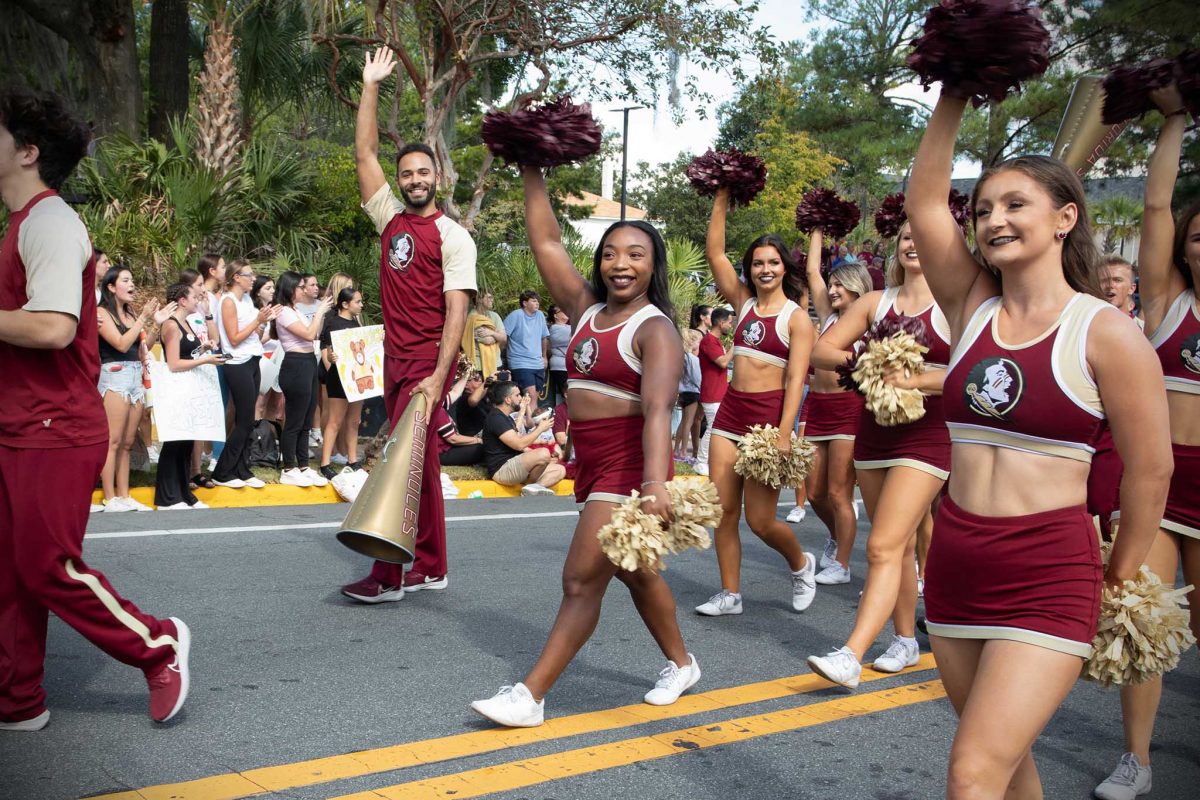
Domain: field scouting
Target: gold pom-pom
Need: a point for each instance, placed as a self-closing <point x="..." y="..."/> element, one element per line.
<point x="1142" y="632"/>
<point x="760" y="460"/>
<point x="636" y="540"/>
<point x="891" y="405"/>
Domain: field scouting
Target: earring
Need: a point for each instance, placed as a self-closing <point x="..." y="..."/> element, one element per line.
<point x="1062" y="235"/>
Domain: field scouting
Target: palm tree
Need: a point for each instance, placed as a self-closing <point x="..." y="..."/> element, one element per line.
<point x="1119" y="218"/>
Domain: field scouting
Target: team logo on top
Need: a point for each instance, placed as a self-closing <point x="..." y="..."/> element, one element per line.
<point x="994" y="387"/>
<point x="754" y="333"/>
<point x="1189" y="353"/>
<point x="585" y="355"/>
<point x="400" y="251"/>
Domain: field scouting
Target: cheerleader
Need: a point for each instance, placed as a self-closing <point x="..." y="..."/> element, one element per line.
<point x="833" y="416"/>
<point x="624" y="363"/>
<point x="1169" y="266"/>
<point x="771" y="345"/>
<point x="901" y="470"/>
<point x="1039" y="362"/>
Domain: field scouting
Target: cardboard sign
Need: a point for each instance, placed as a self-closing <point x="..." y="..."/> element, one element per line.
<point x="360" y="361"/>
<point x="187" y="405"/>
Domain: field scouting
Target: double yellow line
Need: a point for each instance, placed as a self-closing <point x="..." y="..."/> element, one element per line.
<point x="529" y="772"/>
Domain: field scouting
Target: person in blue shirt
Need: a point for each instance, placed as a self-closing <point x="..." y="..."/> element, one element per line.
<point x="528" y="346"/>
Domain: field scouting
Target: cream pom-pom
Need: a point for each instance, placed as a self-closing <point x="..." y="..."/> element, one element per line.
<point x="636" y="540"/>
<point x="1142" y="632"/>
<point x="760" y="460"/>
<point x="889" y="404"/>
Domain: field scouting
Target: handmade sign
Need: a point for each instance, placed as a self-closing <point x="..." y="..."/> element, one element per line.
<point x="360" y="361"/>
<point x="187" y="405"/>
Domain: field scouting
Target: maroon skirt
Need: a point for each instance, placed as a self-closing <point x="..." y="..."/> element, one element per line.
<point x="923" y="445"/>
<point x="1183" y="500"/>
<point x="1034" y="578"/>
<point x="833" y="415"/>
<point x="740" y="411"/>
<point x="608" y="453"/>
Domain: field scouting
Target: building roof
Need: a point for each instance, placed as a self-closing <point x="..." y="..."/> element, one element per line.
<point x="603" y="207"/>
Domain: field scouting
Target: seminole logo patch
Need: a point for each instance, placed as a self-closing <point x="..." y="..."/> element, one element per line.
<point x="754" y="333"/>
<point x="1189" y="353"/>
<point x="585" y="355"/>
<point x="994" y="387"/>
<point x="400" y="252"/>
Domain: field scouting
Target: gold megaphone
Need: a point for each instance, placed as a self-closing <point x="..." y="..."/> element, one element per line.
<point x="381" y="524"/>
<point x="1082" y="138"/>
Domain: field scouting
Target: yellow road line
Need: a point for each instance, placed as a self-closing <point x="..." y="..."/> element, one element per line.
<point x="568" y="764"/>
<point x="233" y="785"/>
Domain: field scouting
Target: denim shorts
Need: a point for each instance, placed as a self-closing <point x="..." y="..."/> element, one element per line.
<point x="124" y="378"/>
<point x="524" y="378"/>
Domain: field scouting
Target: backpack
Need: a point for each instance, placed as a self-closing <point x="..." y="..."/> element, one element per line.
<point x="262" y="450"/>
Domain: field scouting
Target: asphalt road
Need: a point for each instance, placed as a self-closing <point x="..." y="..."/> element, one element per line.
<point x="286" y="673"/>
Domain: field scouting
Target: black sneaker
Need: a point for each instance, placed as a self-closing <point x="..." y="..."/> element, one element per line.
<point x="328" y="471"/>
<point x="357" y="466"/>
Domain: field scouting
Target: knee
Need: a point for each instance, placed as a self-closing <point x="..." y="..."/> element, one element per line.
<point x="973" y="774"/>
<point x="577" y="585"/>
<point x="818" y="491"/>
<point x="881" y="551"/>
<point x="840" y="494"/>
<point x="760" y="521"/>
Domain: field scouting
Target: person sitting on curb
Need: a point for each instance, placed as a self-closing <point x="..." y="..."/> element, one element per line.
<point x="507" y="454"/>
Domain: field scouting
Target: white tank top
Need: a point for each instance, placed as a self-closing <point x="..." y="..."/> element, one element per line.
<point x="246" y="314"/>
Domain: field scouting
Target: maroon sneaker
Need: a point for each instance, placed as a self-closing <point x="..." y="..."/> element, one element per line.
<point x="169" y="686"/>
<point x="415" y="582"/>
<point x="369" y="590"/>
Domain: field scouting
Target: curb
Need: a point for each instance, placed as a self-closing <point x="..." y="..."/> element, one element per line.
<point x="275" y="494"/>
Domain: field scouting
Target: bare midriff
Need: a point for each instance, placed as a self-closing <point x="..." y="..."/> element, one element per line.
<point x="1002" y="482"/>
<point x="587" y="405"/>
<point x="1185" y="417"/>
<point x="752" y="375"/>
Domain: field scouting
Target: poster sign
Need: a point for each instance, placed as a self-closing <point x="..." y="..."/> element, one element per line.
<point x="187" y="405"/>
<point x="360" y="361"/>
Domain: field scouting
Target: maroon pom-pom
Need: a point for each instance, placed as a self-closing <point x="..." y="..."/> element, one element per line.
<point x="745" y="175"/>
<point x="1127" y="89"/>
<point x="822" y="208"/>
<point x="1187" y="78"/>
<point x="960" y="208"/>
<point x="981" y="49"/>
<point x="845" y="374"/>
<point x="557" y="132"/>
<point x="890" y="217"/>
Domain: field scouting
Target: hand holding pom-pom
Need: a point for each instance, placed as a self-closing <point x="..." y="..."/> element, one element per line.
<point x="981" y="49"/>
<point x="743" y="174"/>
<point x="892" y="345"/>
<point x="635" y="539"/>
<point x="1127" y="89"/>
<point x="760" y="459"/>
<point x="555" y="133"/>
<point x="822" y="208"/>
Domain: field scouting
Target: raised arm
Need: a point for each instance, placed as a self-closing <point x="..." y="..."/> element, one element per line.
<point x="312" y="331"/>
<point x="123" y="341"/>
<point x="834" y="347"/>
<point x="724" y="275"/>
<point x="566" y="285"/>
<point x="948" y="265"/>
<point x="1158" y="280"/>
<point x="816" y="284"/>
<point x="378" y="66"/>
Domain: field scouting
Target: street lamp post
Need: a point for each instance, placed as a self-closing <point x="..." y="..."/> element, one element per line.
<point x="625" y="150"/>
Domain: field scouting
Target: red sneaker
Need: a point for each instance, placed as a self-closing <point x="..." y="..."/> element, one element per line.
<point x="27" y="725"/>
<point x="369" y="590"/>
<point x="169" y="686"/>
<point x="415" y="582"/>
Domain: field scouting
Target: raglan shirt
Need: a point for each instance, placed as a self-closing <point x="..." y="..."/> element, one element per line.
<point x="47" y="264"/>
<point x="421" y="259"/>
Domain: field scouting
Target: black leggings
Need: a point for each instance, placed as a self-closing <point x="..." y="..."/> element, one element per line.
<point x="242" y="380"/>
<point x="557" y="391"/>
<point x="462" y="455"/>
<point x="171" y="478"/>
<point x="298" y="380"/>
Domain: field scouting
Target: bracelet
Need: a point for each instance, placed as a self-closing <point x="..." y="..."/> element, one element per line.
<point x="649" y="483"/>
<point x="1179" y="112"/>
<point x="208" y="316"/>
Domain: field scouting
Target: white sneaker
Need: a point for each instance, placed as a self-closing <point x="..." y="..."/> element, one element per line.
<point x="254" y="483"/>
<point x="700" y="469"/>
<point x="797" y="514"/>
<point x="833" y="575"/>
<point x="314" y="478"/>
<point x="901" y="654"/>
<point x="840" y="667"/>
<point x="212" y="464"/>
<point x="294" y="477"/>
<point x="920" y="587"/>
<point x="513" y="707"/>
<point x="314" y="437"/>
<point x="721" y="603"/>
<point x="338" y="458"/>
<point x="199" y="504"/>
<point x="96" y="507"/>
<point x="135" y="505"/>
<point x="232" y="483"/>
<point x="672" y="682"/>
<point x="28" y="725"/>
<point x="535" y="490"/>
<point x="116" y="505"/>
<point x="804" y="585"/>
<point x="180" y="506"/>
<point x="152" y="454"/>
<point x="829" y="554"/>
<point x="1129" y="780"/>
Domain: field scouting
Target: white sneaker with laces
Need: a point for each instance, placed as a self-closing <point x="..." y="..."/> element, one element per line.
<point x="96" y="507"/>
<point x="135" y="505"/>
<point x="293" y="477"/>
<point x="535" y="490"/>
<point x="180" y="506"/>
<point x="832" y="575"/>
<point x="804" y="584"/>
<point x="314" y="478"/>
<point x="829" y="554"/>
<point x="116" y="505"/>
<point x="513" y="707"/>
<point x="797" y="514"/>
<point x="1129" y="780"/>
<point x="721" y="603"/>
<point x="700" y="469"/>
<point x="901" y="654"/>
<point x="254" y="483"/>
<point x="673" y="681"/>
<point x="232" y="483"/>
<point x="840" y="667"/>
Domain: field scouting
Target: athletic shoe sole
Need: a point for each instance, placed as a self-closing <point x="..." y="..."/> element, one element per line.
<point x="814" y="663"/>
<point x="184" y="636"/>
<point x="28" y="725"/>
<point x="383" y="597"/>
<point x="436" y="585"/>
